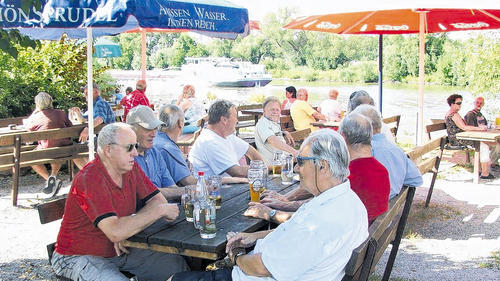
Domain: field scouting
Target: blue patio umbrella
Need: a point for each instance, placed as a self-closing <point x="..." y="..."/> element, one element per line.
<point x="85" y="19"/>
<point x="104" y="48"/>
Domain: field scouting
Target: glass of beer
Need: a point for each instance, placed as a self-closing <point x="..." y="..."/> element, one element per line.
<point x="287" y="169"/>
<point x="277" y="163"/>
<point x="214" y="184"/>
<point x="187" y="201"/>
<point x="255" y="183"/>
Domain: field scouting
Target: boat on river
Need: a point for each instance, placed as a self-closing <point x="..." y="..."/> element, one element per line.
<point x="227" y="72"/>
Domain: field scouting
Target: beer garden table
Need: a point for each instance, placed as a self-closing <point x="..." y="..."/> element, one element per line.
<point x="326" y="124"/>
<point x="488" y="136"/>
<point x="180" y="236"/>
<point x="259" y="112"/>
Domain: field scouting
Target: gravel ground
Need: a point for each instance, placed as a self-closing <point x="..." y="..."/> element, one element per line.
<point x="454" y="239"/>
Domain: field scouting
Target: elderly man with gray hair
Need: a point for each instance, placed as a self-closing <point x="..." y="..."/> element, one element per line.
<point x="100" y="213"/>
<point x="402" y="171"/>
<point x="292" y="251"/>
<point x="268" y="134"/>
<point x="217" y="151"/>
<point x="45" y="117"/>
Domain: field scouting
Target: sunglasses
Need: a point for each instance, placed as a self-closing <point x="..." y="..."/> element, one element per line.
<point x="301" y="159"/>
<point x="128" y="147"/>
<point x="459" y="103"/>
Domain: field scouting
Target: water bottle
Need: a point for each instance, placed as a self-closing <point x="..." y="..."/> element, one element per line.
<point x="204" y="210"/>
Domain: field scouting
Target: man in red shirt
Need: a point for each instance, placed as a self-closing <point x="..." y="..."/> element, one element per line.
<point x="137" y="97"/>
<point x="100" y="214"/>
<point x="368" y="177"/>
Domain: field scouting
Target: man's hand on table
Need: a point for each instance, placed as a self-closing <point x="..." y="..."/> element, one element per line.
<point x="257" y="210"/>
<point x="240" y="240"/>
<point x="170" y="211"/>
<point x="271" y="194"/>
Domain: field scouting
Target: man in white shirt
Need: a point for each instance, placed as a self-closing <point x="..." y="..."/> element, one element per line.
<point x="268" y="134"/>
<point x="331" y="108"/>
<point x="217" y="151"/>
<point x="317" y="241"/>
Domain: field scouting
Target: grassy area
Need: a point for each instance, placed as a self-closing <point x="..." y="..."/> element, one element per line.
<point x="419" y="216"/>
<point x="494" y="262"/>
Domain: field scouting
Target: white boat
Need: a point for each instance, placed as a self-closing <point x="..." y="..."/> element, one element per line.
<point x="226" y="72"/>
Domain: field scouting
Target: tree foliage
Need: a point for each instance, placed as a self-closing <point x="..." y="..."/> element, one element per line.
<point x="57" y="67"/>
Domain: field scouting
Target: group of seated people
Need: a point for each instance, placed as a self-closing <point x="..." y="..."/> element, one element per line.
<point x="489" y="152"/>
<point x="139" y="169"/>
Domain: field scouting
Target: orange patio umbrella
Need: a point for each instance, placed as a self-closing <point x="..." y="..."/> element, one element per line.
<point x="424" y="19"/>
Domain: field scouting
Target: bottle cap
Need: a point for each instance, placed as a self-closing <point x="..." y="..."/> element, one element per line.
<point x="201" y="173"/>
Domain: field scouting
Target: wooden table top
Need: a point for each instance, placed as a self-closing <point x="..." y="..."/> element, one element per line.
<point x="180" y="236"/>
<point x="490" y="135"/>
<point x="326" y="124"/>
<point x="7" y="130"/>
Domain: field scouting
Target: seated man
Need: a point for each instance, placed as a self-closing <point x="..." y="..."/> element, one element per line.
<point x="303" y="114"/>
<point x="149" y="158"/>
<point x="217" y="151"/>
<point x="317" y="242"/>
<point x="45" y="117"/>
<point x="475" y="118"/>
<point x="402" y="171"/>
<point x="268" y="134"/>
<point x="368" y="178"/>
<point x="99" y="215"/>
<point x="331" y="108"/>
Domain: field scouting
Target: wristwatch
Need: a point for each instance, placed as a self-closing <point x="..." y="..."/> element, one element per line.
<point x="272" y="213"/>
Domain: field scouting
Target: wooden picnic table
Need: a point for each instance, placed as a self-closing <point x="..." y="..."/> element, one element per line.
<point x="488" y="136"/>
<point x="326" y="124"/>
<point x="259" y="112"/>
<point x="7" y="130"/>
<point x="180" y="236"/>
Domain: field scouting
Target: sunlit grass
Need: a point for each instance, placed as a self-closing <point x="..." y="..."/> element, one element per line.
<point x="494" y="262"/>
<point x="420" y="216"/>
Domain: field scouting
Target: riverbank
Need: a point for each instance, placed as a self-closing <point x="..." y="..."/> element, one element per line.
<point x="455" y="239"/>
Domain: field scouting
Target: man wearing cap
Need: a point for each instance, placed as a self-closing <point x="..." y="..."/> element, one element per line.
<point x="102" y="112"/>
<point x="150" y="158"/>
<point x="137" y="97"/>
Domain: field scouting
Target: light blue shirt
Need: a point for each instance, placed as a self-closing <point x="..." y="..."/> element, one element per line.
<point x="402" y="171"/>
<point x="155" y="167"/>
<point x="172" y="155"/>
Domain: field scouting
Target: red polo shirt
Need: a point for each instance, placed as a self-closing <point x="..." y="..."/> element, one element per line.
<point x="370" y="181"/>
<point x="135" y="98"/>
<point x="93" y="197"/>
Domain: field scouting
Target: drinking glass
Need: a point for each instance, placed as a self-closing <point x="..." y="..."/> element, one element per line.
<point x="214" y="184"/>
<point x="204" y="219"/>
<point x="187" y="201"/>
<point x="277" y="162"/>
<point x="287" y="169"/>
<point x="255" y="183"/>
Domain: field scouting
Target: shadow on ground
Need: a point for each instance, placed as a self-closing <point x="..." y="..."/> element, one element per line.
<point x="26" y="269"/>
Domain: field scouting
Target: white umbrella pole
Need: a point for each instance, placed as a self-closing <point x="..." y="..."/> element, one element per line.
<point x="143" y="53"/>
<point x="90" y="94"/>
<point x="421" y="73"/>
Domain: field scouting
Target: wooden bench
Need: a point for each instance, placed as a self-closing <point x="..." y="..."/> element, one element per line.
<point x="187" y="140"/>
<point x="387" y="228"/>
<point x="16" y="155"/>
<point x="439" y="126"/>
<point x="433" y="151"/>
<point x="394" y="122"/>
<point x="300" y="136"/>
<point x="246" y="120"/>
<point x="51" y="211"/>
<point x="13" y="120"/>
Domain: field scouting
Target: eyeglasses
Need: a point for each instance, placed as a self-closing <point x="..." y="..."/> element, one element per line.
<point x="128" y="147"/>
<point x="302" y="159"/>
<point x="458" y="103"/>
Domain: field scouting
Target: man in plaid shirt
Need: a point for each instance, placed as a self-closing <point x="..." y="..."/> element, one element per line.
<point x="135" y="98"/>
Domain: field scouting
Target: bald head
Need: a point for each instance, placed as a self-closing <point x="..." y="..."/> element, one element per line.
<point x="302" y="94"/>
<point x="141" y="85"/>
<point x="333" y="94"/>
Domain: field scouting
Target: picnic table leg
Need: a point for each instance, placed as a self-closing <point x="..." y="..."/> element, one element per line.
<point x="16" y="170"/>
<point x="475" y="176"/>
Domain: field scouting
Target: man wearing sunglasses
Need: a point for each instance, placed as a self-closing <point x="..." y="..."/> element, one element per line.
<point x="100" y="213"/>
<point x="292" y="251"/>
<point x="150" y="158"/>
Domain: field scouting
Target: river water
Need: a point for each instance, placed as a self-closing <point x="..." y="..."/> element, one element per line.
<point x="163" y="86"/>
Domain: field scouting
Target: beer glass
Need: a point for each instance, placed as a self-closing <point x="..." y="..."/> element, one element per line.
<point x="204" y="219"/>
<point x="187" y="202"/>
<point x="255" y="183"/>
<point x="277" y="163"/>
<point x="287" y="169"/>
<point x="214" y="183"/>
